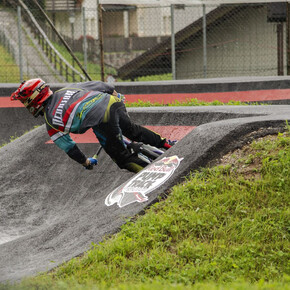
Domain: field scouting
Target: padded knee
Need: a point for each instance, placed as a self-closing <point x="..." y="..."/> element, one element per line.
<point x="133" y="167"/>
<point x="133" y="163"/>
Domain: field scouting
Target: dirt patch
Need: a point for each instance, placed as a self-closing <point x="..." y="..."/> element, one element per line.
<point x="246" y="160"/>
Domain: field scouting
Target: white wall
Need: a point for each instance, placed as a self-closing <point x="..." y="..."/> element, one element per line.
<point x="156" y="21"/>
<point x="242" y="46"/>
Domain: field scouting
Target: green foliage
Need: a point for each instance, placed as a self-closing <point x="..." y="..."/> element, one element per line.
<point x="191" y="102"/>
<point x="9" y="71"/>
<point x="163" y="77"/>
<point x="12" y="138"/>
<point x="220" y="229"/>
<point x="93" y="69"/>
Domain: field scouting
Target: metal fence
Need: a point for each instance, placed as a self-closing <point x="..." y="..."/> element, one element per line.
<point x="139" y="42"/>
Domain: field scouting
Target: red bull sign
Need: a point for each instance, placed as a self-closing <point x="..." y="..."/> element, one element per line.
<point x="138" y="187"/>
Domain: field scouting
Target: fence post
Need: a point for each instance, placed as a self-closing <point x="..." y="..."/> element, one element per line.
<point x="20" y="42"/>
<point x="280" y="44"/>
<point x="173" y="64"/>
<point x="60" y="67"/>
<point x="288" y="38"/>
<point x="101" y="40"/>
<point x="85" y="44"/>
<point x="66" y="73"/>
<point x="55" y="64"/>
<point x="204" y="41"/>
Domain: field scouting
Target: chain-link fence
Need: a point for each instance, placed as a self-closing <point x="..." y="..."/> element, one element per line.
<point x="139" y="42"/>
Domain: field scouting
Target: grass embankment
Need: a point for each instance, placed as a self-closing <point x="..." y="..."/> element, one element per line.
<point x="9" y="71"/>
<point x="225" y="227"/>
<point x="187" y="103"/>
<point x="93" y="69"/>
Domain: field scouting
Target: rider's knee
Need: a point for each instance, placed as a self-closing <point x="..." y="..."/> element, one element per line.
<point x="133" y="167"/>
<point x="132" y="163"/>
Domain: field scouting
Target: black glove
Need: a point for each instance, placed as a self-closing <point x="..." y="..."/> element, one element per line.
<point x="135" y="147"/>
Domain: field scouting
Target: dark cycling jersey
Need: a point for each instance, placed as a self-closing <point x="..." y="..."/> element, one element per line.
<point x="76" y="108"/>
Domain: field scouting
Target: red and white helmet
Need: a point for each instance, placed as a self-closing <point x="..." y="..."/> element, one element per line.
<point x="32" y="93"/>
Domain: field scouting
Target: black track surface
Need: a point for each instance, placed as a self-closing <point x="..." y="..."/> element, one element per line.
<point x="51" y="209"/>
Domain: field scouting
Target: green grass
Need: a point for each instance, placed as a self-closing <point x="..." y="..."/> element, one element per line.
<point x="224" y="227"/>
<point x="12" y="138"/>
<point x="162" y="77"/>
<point x="191" y="102"/>
<point x="9" y="71"/>
<point x="93" y="69"/>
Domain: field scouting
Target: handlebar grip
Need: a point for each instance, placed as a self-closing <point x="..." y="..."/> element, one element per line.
<point x="93" y="160"/>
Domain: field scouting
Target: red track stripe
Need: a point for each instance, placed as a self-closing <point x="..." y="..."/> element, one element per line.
<point x="170" y="132"/>
<point x="224" y="97"/>
<point x="5" y="102"/>
<point x="243" y="96"/>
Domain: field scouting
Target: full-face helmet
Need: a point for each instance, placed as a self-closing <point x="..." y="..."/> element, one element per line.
<point x="32" y="93"/>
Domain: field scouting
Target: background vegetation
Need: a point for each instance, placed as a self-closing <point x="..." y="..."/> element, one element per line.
<point x="9" y="72"/>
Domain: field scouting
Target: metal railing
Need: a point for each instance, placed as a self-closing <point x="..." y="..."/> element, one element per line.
<point x="56" y="59"/>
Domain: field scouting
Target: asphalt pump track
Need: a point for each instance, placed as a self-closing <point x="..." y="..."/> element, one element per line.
<point x="51" y="209"/>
